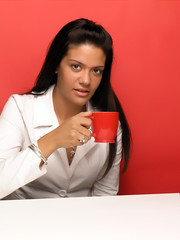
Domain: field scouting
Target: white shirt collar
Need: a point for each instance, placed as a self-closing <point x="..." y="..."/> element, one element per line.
<point x="44" y="109"/>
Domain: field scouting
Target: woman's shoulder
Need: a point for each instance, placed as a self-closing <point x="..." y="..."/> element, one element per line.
<point x="22" y="98"/>
<point x="19" y="100"/>
<point x="15" y="104"/>
<point x="26" y="100"/>
<point x="25" y="107"/>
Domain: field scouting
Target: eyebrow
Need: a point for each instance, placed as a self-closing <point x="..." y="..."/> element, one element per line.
<point x="84" y="64"/>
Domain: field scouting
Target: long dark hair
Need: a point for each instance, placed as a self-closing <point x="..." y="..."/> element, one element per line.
<point x="85" y="31"/>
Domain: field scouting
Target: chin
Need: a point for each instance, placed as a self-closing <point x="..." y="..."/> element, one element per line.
<point x="81" y="103"/>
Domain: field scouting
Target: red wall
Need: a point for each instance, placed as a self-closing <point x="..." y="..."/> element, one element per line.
<point x="146" y="73"/>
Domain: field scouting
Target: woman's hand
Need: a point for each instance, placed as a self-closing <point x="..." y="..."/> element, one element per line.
<point x="71" y="131"/>
<point x="68" y="134"/>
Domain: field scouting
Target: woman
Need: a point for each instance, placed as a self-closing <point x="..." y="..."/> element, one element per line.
<point x="50" y="124"/>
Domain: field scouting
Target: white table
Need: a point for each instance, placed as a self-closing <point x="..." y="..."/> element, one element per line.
<point x="121" y="217"/>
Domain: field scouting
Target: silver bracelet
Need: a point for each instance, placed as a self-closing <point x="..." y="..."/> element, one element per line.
<point x="38" y="153"/>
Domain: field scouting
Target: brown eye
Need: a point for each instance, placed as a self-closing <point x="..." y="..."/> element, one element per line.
<point x="97" y="71"/>
<point x="75" y="66"/>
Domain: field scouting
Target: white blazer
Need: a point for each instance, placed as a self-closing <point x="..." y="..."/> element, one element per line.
<point x="26" y="118"/>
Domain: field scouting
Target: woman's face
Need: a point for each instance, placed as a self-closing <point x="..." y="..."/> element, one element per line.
<point x="80" y="73"/>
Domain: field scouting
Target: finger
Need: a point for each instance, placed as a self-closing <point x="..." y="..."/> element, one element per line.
<point x="83" y="140"/>
<point x="85" y="114"/>
<point x="79" y="119"/>
<point x="85" y="122"/>
<point x="85" y="132"/>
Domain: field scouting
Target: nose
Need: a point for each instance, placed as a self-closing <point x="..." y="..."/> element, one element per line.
<point x="85" y="78"/>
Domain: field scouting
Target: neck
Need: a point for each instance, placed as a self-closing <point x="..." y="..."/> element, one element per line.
<point x="65" y="109"/>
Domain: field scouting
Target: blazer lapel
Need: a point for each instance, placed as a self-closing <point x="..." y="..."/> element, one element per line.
<point x="43" y="116"/>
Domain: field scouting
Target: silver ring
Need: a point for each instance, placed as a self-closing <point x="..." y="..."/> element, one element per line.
<point x="82" y="140"/>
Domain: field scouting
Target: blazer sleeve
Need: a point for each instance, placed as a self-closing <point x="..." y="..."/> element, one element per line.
<point x="109" y="185"/>
<point x="18" y="165"/>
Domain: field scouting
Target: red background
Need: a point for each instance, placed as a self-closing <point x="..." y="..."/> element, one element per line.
<point x="145" y="76"/>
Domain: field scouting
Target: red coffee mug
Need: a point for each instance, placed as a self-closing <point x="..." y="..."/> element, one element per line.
<point x="105" y="125"/>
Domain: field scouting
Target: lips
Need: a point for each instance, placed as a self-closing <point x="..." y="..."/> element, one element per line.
<point x="81" y="92"/>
